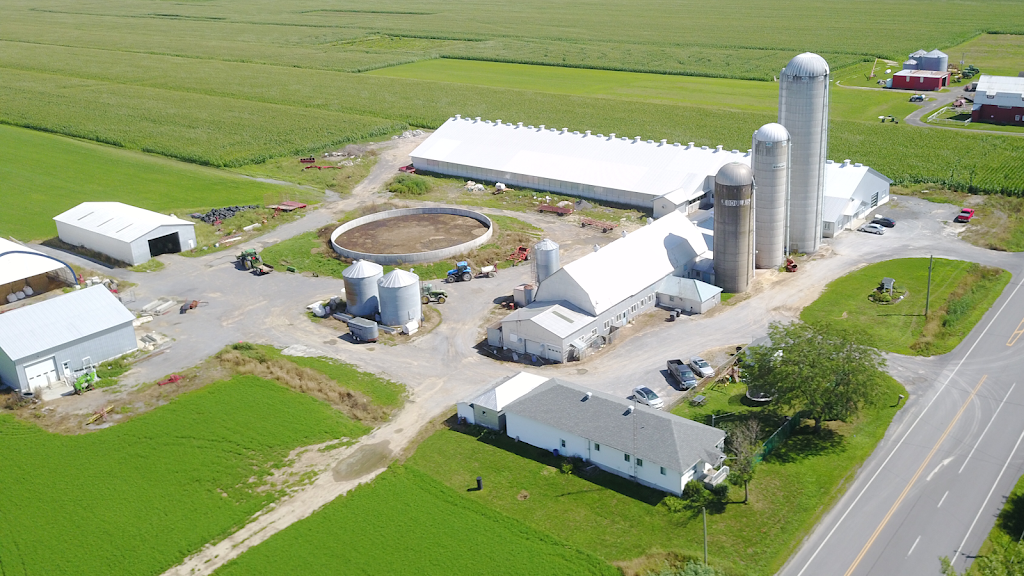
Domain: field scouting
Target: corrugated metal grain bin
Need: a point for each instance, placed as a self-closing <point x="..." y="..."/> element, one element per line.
<point x="399" y="298"/>
<point x="361" y="287"/>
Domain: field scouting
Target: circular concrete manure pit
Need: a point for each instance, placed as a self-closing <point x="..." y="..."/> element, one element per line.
<point x="412" y="235"/>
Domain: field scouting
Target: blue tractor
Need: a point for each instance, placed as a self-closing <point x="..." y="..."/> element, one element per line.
<point x="461" y="273"/>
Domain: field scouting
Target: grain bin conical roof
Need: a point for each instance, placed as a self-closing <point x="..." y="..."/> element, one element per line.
<point x="362" y="269"/>
<point x="398" y="278"/>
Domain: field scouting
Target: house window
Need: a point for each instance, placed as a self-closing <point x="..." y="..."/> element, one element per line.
<point x="633" y="308"/>
<point x="626" y="457"/>
<point x="662" y="470"/>
<point x="1016" y="118"/>
<point x="639" y="461"/>
<point x="597" y="447"/>
<point x="563" y="443"/>
<point x="671" y="298"/>
<point x="607" y="324"/>
<point x="650" y="298"/>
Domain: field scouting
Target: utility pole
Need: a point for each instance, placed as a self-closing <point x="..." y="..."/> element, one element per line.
<point x="928" y="294"/>
<point x="705" y="512"/>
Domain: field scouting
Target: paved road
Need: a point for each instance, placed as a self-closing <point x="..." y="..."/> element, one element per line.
<point x="939" y="478"/>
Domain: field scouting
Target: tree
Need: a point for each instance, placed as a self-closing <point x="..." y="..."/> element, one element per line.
<point x="814" y="368"/>
<point x="744" y="441"/>
<point x="1005" y="559"/>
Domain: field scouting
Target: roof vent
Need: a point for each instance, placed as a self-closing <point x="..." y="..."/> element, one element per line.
<point x="587" y="133"/>
<point x="718" y="148"/>
<point x="612" y="135"/>
<point x="735" y="151"/>
<point x="458" y="116"/>
<point x="859" y="165"/>
<point x="650" y="141"/>
<point x="703" y="147"/>
<point x="520" y="125"/>
<point x="564" y="130"/>
<point x="846" y="162"/>
<point x="588" y="396"/>
<point x="664" y="141"/>
<point x="541" y="126"/>
<point x="629" y="410"/>
<point x="600" y="135"/>
<point x="830" y="161"/>
<point x="530" y="127"/>
<point x="596" y="247"/>
<point x="625" y="139"/>
<point x="748" y="152"/>
<point x="498" y="122"/>
<point x="636" y="139"/>
<point x="576" y="132"/>
<point x="477" y="119"/>
<point x="677" y="144"/>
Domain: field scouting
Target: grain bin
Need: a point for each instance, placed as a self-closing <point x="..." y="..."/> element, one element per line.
<point x="770" y="164"/>
<point x="399" y="298"/>
<point x="546" y="259"/>
<point x="803" y="110"/>
<point x="361" y="288"/>
<point x="934" y="60"/>
<point x="734" y="227"/>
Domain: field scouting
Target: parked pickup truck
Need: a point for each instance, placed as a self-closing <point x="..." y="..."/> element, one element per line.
<point x="965" y="215"/>
<point x="682" y="373"/>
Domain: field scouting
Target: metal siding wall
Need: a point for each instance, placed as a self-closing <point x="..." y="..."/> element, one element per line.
<point x="9" y="374"/>
<point x="770" y="163"/>
<point x="803" y="110"/>
<point x="98" y="347"/>
<point x="94" y="241"/>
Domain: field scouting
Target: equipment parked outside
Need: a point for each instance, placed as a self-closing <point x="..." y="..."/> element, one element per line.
<point x="431" y="295"/>
<point x="461" y="273"/>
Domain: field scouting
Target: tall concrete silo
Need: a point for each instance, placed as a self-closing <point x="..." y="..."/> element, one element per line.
<point x="803" y="110"/>
<point x="734" y="227"/>
<point x="361" y="295"/>
<point x="545" y="259"/>
<point x="399" y="298"/>
<point x="770" y="163"/>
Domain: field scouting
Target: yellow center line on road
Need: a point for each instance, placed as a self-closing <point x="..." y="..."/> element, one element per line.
<point x="1016" y="335"/>
<point x="910" y="484"/>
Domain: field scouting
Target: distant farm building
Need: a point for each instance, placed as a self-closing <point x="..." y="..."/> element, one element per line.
<point x="126" y="233"/>
<point x="25" y="272"/>
<point x="999" y="100"/>
<point x="920" y="80"/>
<point x="852" y="191"/>
<point x="52" y="342"/>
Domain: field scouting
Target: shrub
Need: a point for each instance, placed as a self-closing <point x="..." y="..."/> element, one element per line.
<point x="673" y="505"/>
<point x="409" y="185"/>
<point x="696" y="495"/>
<point x="884" y="297"/>
<point x="720" y="492"/>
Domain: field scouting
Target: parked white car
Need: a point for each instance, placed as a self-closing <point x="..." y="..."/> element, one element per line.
<point x="701" y="367"/>
<point x="872" y="229"/>
<point x="645" y="395"/>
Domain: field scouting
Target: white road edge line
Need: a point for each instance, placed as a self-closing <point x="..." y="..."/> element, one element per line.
<point x="985" y="503"/>
<point x="900" y="443"/>
<point x="991" y="420"/>
<point x="914" y="546"/>
<point x="943" y="499"/>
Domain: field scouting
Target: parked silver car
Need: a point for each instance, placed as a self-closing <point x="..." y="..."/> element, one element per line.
<point x="872" y="229"/>
<point x="645" y="395"/>
<point x="701" y="367"/>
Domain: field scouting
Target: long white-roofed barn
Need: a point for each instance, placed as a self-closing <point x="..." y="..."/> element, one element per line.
<point x="126" y="233"/>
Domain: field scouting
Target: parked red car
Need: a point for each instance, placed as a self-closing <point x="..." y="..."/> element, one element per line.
<point x="965" y="215"/>
<point x="408" y="169"/>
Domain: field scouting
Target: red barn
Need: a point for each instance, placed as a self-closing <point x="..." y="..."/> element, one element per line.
<point x="920" y="80"/>
<point x="999" y="100"/>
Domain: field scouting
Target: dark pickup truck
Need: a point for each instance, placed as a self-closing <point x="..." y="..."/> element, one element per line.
<point x="682" y="374"/>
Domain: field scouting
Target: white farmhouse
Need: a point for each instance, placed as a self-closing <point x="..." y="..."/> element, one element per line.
<point x="655" y="448"/>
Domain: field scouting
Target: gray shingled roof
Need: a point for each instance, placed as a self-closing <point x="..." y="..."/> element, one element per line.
<point x="660" y="437"/>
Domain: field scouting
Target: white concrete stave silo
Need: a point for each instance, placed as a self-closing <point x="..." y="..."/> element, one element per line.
<point x="734" y="227"/>
<point x="803" y="110"/>
<point x="770" y="163"/>
<point x="361" y="296"/>
<point x="546" y="259"/>
<point x="399" y="298"/>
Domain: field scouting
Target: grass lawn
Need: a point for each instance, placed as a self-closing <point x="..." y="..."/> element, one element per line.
<point x="42" y="175"/>
<point x="996" y="54"/>
<point x="149" y="491"/>
<point x="722" y="399"/>
<point x="1010" y="523"/>
<point x="961" y="294"/>
<point x="621" y="521"/>
<point x="341" y="180"/>
<point x="407" y="523"/>
<point x="382" y="392"/>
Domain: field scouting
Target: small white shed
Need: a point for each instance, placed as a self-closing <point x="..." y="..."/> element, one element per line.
<point x="127" y="233"/>
<point x="487" y="409"/>
<point x="689" y="295"/>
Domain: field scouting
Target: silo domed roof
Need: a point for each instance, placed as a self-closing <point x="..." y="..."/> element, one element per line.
<point x="773" y="132"/>
<point x="806" y="65"/>
<point x="735" y="174"/>
<point x="362" y="269"/>
<point x="398" y="278"/>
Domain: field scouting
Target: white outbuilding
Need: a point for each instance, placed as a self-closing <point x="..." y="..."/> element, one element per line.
<point x="25" y="272"/>
<point x="852" y="193"/>
<point x="488" y="408"/>
<point x="53" y="341"/>
<point x="126" y="233"/>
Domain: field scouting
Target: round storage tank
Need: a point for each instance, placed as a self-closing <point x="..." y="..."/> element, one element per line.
<point x="361" y="288"/>
<point x="734" y="227"/>
<point x="935" y="60"/>
<point x="803" y="110"/>
<point x="399" y="298"/>
<point x="770" y="162"/>
<point x="546" y="259"/>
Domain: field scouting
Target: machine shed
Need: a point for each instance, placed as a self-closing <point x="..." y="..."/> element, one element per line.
<point x="25" y="272"/>
<point x="54" y="340"/>
<point x="126" y="233"/>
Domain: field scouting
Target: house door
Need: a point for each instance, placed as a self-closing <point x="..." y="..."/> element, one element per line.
<point x="41" y="374"/>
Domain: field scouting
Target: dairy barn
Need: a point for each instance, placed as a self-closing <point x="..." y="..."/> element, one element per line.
<point x="999" y="100"/>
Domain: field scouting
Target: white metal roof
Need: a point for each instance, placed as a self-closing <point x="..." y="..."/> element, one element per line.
<point x="15" y="267"/>
<point x="508" y="390"/>
<point x="689" y="288"/>
<point x="561" y="320"/>
<point x="603" y="279"/>
<point x="620" y="163"/>
<point x="1000" y="91"/>
<point x="117" y="220"/>
<point x="51" y="323"/>
<point x="930" y="73"/>
<point x="362" y="269"/>
<point x="806" y="65"/>
<point x="842" y="181"/>
<point x="397" y="278"/>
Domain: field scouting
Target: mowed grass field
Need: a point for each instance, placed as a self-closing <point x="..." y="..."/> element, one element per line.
<point x="140" y="496"/>
<point x="42" y="175"/>
<point x="961" y="293"/>
<point x="407" y="523"/>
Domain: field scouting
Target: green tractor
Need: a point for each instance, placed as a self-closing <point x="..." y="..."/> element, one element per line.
<point x="249" y="259"/>
<point x="84" y="383"/>
<point x="430" y="295"/>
